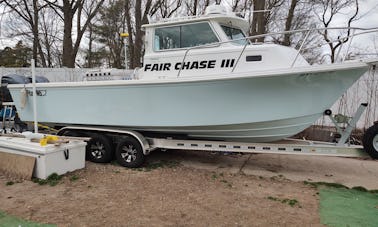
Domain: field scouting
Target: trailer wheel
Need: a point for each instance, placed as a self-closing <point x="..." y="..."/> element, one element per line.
<point x="99" y="149"/>
<point x="129" y="153"/>
<point x="370" y="141"/>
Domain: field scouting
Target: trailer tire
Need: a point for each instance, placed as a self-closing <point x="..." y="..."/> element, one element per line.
<point x="129" y="153"/>
<point x="99" y="149"/>
<point x="370" y="141"/>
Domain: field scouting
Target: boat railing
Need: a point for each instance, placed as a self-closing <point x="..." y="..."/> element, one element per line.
<point x="352" y="32"/>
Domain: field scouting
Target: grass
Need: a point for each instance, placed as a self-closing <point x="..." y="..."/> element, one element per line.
<point x="331" y="185"/>
<point x="273" y="198"/>
<point x="115" y="163"/>
<point x="156" y="165"/>
<point x="8" y="220"/>
<point x="360" y="188"/>
<point x="51" y="180"/>
<point x="290" y="202"/>
<point x="9" y="183"/>
<point x="348" y="207"/>
<point x="214" y="176"/>
<point x="74" y="178"/>
<point x="337" y="185"/>
<point x="228" y="184"/>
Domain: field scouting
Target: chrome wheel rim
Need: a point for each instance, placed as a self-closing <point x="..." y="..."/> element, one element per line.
<point x="97" y="150"/>
<point x="128" y="153"/>
<point x="375" y="142"/>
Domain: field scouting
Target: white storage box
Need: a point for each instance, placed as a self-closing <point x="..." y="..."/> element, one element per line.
<point x="50" y="158"/>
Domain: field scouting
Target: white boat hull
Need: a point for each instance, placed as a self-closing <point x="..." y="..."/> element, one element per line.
<point x="254" y="108"/>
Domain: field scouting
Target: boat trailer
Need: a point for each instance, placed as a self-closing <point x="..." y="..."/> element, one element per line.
<point x="131" y="147"/>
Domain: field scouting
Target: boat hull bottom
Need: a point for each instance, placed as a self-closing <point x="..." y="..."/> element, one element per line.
<point x="249" y="132"/>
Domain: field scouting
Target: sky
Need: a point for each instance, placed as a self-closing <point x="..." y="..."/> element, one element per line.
<point x="369" y="14"/>
<point x="368" y="19"/>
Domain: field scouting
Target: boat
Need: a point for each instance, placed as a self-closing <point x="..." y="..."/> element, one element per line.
<point x="201" y="78"/>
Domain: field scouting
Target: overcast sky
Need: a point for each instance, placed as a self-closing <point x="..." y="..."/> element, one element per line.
<point x="368" y="19"/>
<point x="369" y="14"/>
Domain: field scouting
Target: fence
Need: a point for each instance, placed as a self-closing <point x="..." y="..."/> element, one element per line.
<point x="53" y="74"/>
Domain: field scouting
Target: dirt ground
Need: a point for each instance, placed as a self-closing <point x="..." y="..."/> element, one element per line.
<point x="162" y="194"/>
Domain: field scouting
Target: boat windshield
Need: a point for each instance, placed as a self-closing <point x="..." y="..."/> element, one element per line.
<point x="184" y="36"/>
<point x="234" y="34"/>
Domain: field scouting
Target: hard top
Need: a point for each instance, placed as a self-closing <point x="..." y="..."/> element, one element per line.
<point x="220" y="17"/>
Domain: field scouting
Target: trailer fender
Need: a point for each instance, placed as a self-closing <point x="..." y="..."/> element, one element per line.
<point x="138" y="136"/>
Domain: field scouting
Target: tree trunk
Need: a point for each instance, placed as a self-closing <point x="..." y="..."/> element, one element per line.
<point x="35" y="31"/>
<point x="138" y="34"/>
<point x="258" y="21"/>
<point x="89" y="54"/>
<point x="289" y="21"/>
<point x="195" y="5"/>
<point x="130" y="50"/>
<point x="68" y="59"/>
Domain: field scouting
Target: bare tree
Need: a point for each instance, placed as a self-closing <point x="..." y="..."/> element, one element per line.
<point x="240" y="6"/>
<point x="263" y="13"/>
<point x="192" y="7"/>
<point x="195" y="7"/>
<point x="289" y="22"/>
<point x="28" y="11"/>
<point x="329" y="9"/>
<point x="70" y="11"/>
<point x="258" y="25"/>
<point x="136" y="16"/>
<point x="50" y="37"/>
<point x="110" y="24"/>
<point x="168" y="7"/>
<point x="235" y="4"/>
<point x="89" y="57"/>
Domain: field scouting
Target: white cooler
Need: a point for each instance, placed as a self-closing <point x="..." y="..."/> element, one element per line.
<point x="50" y="158"/>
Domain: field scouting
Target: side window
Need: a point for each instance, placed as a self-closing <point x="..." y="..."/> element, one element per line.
<point x="167" y="38"/>
<point x="189" y="35"/>
<point x="234" y="34"/>
<point x="197" y="34"/>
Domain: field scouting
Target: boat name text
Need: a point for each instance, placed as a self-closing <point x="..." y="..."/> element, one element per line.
<point x="188" y="65"/>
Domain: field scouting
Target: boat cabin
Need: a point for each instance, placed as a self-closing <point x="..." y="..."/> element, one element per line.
<point x="212" y="44"/>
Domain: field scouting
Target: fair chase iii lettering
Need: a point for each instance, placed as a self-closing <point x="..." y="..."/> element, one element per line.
<point x="189" y="65"/>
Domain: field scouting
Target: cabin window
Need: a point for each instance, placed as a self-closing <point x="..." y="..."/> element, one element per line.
<point x="234" y="34"/>
<point x="253" y="58"/>
<point x="183" y="36"/>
